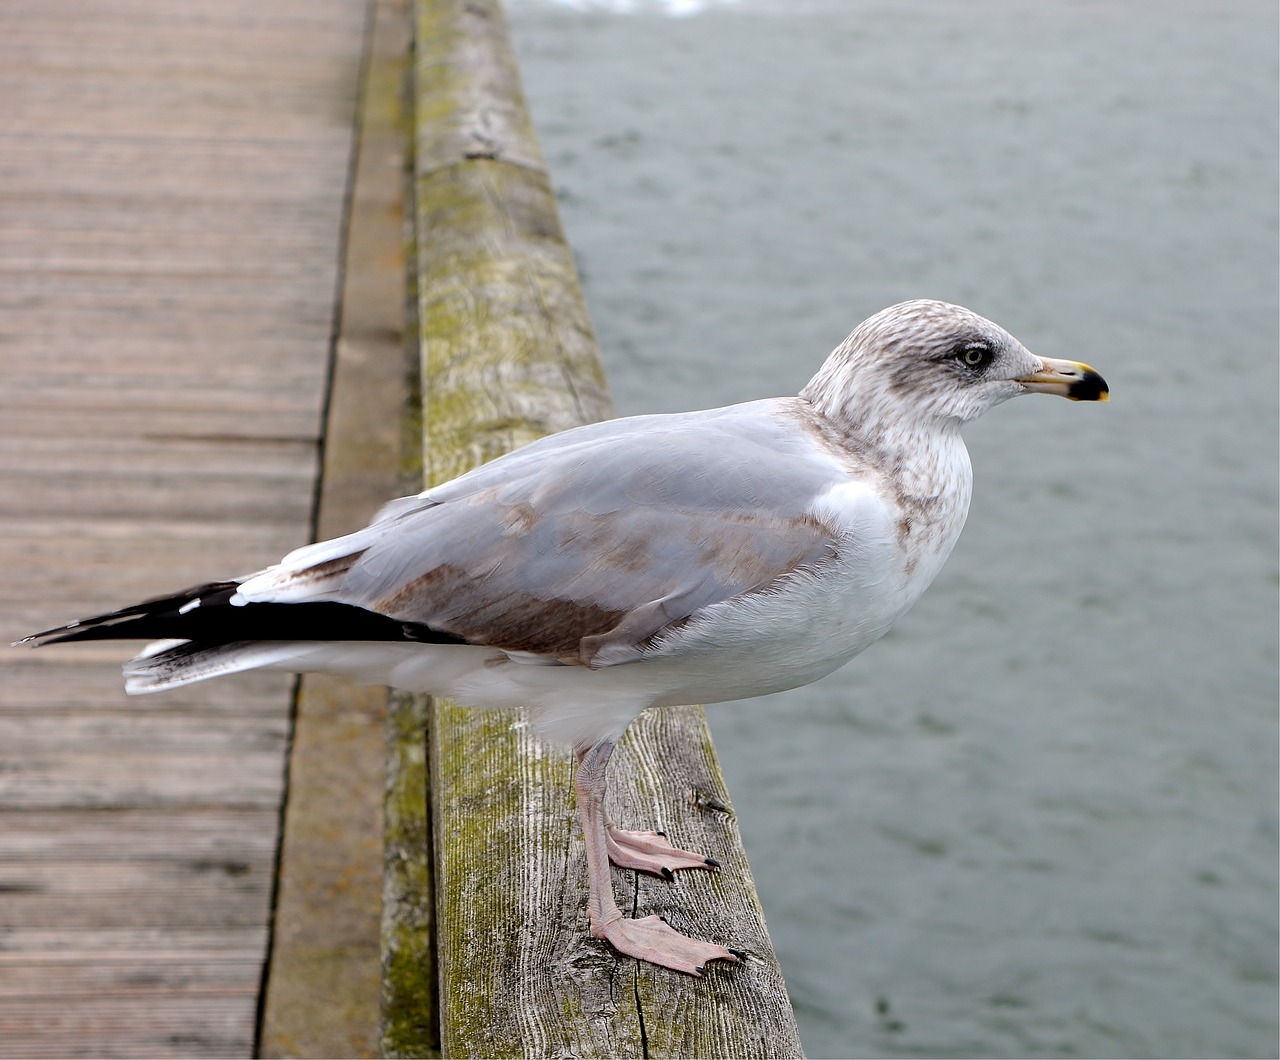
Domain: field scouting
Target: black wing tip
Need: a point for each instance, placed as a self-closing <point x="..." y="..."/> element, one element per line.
<point x="87" y="629"/>
<point x="121" y="624"/>
<point x="71" y="631"/>
<point x="71" y="634"/>
<point x="206" y="617"/>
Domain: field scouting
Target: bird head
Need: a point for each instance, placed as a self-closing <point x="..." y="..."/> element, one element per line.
<point x="928" y="363"/>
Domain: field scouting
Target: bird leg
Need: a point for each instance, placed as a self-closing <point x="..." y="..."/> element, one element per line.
<point x="650" y="938"/>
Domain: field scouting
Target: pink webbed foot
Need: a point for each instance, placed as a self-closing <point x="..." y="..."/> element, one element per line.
<point x="652" y="939"/>
<point x="649" y="938"/>
<point x="650" y="852"/>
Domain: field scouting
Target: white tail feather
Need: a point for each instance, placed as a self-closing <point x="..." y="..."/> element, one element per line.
<point x="165" y="664"/>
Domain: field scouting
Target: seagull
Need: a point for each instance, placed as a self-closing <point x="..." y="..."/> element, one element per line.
<point x="642" y="562"/>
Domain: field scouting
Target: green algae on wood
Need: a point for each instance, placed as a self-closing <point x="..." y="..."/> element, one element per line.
<point x="507" y="356"/>
<point x="410" y="1021"/>
<point x="507" y="349"/>
<point x="520" y="974"/>
<point x="321" y="994"/>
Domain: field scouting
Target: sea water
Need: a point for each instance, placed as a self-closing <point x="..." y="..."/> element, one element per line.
<point x="1039" y="818"/>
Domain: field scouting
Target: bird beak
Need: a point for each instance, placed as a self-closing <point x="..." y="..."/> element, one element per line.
<point x="1069" y="379"/>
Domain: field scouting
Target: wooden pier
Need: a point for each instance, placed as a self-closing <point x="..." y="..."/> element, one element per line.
<point x="173" y="183"/>
<point x="202" y="307"/>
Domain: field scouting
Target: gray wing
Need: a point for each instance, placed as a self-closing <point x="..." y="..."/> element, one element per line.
<point x="597" y="538"/>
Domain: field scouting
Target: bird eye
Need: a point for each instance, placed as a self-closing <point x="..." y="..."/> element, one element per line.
<point x="974" y="354"/>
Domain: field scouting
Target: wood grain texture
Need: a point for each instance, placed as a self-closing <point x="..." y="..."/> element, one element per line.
<point x="410" y="982"/>
<point x="508" y="356"/>
<point x="508" y="353"/>
<point x="323" y="985"/>
<point x="520" y="974"/>
<point x="172" y="188"/>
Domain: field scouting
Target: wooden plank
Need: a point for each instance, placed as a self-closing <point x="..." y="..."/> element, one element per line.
<point x="123" y="945"/>
<point x="88" y="681"/>
<point x="143" y="778"/>
<point x="66" y="957"/>
<point x="410" y="1001"/>
<point x="508" y="355"/>
<point x="95" y="894"/>
<point x="324" y="979"/>
<point x="156" y="1024"/>
<point x="134" y="834"/>
<point x="244" y="497"/>
<point x="73" y="979"/>
<point x="171" y="193"/>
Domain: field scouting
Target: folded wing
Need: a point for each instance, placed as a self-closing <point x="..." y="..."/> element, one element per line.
<point x="583" y="547"/>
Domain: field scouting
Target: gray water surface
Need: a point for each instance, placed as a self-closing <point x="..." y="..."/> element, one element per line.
<point x="1039" y="818"/>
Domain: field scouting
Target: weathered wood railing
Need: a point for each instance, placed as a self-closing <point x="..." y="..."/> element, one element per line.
<point x="485" y="943"/>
